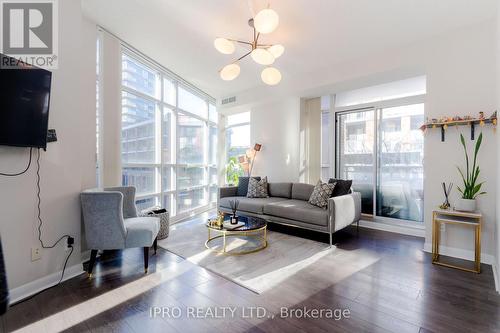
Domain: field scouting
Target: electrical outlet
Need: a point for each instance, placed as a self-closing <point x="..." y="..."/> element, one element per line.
<point x="443" y="227"/>
<point x="36" y="254"/>
<point x="70" y="241"/>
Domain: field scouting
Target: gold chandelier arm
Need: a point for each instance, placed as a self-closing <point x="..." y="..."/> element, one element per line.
<point x="239" y="41"/>
<point x="243" y="56"/>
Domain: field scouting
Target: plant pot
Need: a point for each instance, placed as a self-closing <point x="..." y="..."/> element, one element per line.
<point x="466" y="205"/>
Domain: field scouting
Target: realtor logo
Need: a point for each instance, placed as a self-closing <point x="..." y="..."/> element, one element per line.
<point x="29" y="31"/>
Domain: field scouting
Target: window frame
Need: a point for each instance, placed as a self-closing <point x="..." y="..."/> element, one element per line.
<point x="160" y="106"/>
<point x="335" y="151"/>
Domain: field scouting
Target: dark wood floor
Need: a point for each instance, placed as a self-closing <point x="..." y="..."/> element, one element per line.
<point x="399" y="292"/>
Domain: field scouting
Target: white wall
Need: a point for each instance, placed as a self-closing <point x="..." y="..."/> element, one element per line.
<point x="460" y="81"/>
<point x="67" y="167"/>
<point x="310" y="141"/>
<point x="276" y="127"/>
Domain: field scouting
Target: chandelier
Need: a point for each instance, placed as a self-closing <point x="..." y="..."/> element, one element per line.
<point x="265" y="22"/>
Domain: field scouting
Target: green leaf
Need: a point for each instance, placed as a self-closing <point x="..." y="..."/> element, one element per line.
<point x="476" y="189"/>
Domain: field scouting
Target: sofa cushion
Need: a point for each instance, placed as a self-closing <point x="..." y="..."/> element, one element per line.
<point x="252" y="205"/>
<point x="282" y="190"/>
<point x="342" y="187"/>
<point x="141" y="231"/>
<point x="243" y="186"/>
<point x="257" y="188"/>
<point x="298" y="210"/>
<point x="322" y="192"/>
<point x="301" y="191"/>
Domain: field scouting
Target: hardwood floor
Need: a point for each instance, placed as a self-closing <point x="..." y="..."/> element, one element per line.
<point x="400" y="291"/>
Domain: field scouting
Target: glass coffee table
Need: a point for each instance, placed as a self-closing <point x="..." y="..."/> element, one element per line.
<point x="253" y="227"/>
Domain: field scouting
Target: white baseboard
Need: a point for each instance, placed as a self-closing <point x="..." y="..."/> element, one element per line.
<point x="28" y="289"/>
<point x="460" y="253"/>
<point x="392" y="228"/>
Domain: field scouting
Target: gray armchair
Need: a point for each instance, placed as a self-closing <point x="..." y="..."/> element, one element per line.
<point x="111" y="222"/>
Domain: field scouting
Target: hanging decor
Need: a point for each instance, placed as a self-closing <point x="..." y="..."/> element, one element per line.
<point x="444" y="122"/>
<point x="265" y="22"/>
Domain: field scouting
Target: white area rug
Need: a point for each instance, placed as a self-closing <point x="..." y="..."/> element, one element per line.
<point x="284" y="257"/>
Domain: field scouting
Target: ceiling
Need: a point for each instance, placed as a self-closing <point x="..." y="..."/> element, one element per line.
<point x="315" y="33"/>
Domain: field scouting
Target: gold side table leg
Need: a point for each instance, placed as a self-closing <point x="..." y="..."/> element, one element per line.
<point x="433" y="236"/>
<point x="478" y="248"/>
<point x="438" y="236"/>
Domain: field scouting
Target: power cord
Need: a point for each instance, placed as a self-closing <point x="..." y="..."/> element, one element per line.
<point x="39" y="211"/>
<point x="22" y="172"/>
<point x="40" y="222"/>
<point x="44" y="290"/>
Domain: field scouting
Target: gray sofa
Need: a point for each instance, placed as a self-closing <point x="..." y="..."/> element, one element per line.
<point x="288" y="204"/>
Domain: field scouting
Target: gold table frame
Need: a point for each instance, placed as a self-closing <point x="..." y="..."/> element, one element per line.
<point x="237" y="233"/>
<point x="473" y="220"/>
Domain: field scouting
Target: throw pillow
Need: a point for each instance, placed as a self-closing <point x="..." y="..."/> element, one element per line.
<point x="257" y="188"/>
<point x="243" y="186"/>
<point x="342" y="187"/>
<point x="321" y="193"/>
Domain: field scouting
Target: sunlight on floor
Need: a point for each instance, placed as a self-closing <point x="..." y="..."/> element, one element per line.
<point x="76" y="314"/>
<point x="274" y="278"/>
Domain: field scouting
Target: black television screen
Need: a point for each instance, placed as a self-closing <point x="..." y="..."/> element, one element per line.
<point x="24" y="104"/>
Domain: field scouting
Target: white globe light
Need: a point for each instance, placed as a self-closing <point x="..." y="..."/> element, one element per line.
<point x="276" y="50"/>
<point x="266" y="21"/>
<point x="271" y="76"/>
<point x="230" y="72"/>
<point x="262" y="56"/>
<point x="224" y="46"/>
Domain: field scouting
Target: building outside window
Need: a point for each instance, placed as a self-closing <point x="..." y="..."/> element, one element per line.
<point x="237" y="143"/>
<point x="168" y="146"/>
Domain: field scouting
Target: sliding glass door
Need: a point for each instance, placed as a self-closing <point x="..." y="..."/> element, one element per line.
<point x="400" y="174"/>
<point x="381" y="150"/>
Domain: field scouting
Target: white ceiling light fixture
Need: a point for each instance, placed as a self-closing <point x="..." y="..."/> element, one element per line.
<point x="262" y="57"/>
<point x="271" y="76"/>
<point x="224" y="46"/>
<point x="230" y="72"/>
<point x="276" y="50"/>
<point x="266" y="21"/>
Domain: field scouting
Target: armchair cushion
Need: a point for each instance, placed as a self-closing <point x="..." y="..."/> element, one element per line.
<point x="102" y="216"/>
<point x="129" y="209"/>
<point x="141" y="231"/>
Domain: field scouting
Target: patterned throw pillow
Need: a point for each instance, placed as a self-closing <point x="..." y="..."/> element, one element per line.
<point x="257" y="188"/>
<point x="321" y="194"/>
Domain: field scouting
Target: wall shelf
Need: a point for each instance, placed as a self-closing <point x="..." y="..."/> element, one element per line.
<point x="443" y="125"/>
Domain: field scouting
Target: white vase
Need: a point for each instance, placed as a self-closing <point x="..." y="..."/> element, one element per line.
<point x="466" y="205"/>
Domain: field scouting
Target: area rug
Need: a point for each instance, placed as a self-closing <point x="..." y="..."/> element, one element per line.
<point x="284" y="256"/>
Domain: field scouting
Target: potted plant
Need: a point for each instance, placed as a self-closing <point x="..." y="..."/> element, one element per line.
<point x="471" y="188"/>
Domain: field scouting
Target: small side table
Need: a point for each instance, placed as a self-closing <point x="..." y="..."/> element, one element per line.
<point x="472" y="220"/>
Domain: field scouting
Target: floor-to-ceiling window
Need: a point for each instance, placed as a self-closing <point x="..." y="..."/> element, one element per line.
<point x="237" y="143"/>
<point x="168" y="138"/>
<point x="98" y="111"/>
<point x="378" y="144"/>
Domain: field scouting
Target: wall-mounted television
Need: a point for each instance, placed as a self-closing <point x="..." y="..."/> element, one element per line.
<point x="24" y="104"/>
